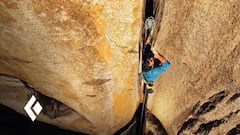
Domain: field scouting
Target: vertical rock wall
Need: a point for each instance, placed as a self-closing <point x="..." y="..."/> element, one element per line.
<point x="201" y="39"/>
<point x="83" y="53"/>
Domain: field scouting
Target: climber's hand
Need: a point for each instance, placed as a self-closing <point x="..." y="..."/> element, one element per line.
<point x="158" y="55"/>
<point x="153" y="50"/>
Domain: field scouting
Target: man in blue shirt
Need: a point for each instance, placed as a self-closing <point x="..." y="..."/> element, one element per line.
<point x="153" y="63"/>
<point x="151" y="70"/>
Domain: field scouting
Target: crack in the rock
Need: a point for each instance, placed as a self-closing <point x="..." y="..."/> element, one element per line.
<point x="216" y="98"/>
<point x="233" y="98"/>
<point x="211" y="104"/>
<point x="206" y="128"/>
<point x="235" y="130"/>
<point x="187" y="125"/>
<point x="155" y="9"/>
<point x="195" y="108"/>
<point x="206" y="107"/>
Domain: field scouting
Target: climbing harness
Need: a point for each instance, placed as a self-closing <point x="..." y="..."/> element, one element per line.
<point x="149" y="85"/>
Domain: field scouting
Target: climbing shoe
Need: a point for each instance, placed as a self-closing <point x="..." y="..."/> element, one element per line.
<point x="149" y="91"/>
<point x="149" y="87"/>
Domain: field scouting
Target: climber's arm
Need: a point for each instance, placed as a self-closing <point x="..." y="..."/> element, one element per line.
<point x="158" y="55"/>
<point x="148" y="40"/>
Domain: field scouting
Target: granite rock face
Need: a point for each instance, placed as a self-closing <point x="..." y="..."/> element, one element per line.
<point x="201" y="39"/>
<point x="83" y="53"/>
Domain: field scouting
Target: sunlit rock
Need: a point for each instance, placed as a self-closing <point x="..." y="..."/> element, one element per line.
<point x="83" y="54"/>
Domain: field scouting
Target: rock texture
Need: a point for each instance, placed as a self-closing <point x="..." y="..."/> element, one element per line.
<point x="201" y="39"/>
<point x="83" y="53"/>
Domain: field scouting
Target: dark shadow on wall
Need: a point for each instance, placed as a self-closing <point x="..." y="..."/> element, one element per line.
<point x="148" y="8"/>
<point x="154" y="8"/>
<point x="154" y="126"/>
<point x="13" y="123"/>
<point x="132" y="128"/>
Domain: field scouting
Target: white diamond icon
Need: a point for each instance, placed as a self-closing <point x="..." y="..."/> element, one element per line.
<point x="37" y="108"/>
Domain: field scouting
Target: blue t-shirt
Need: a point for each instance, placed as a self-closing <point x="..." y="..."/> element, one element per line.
<point x="152" y="74"/>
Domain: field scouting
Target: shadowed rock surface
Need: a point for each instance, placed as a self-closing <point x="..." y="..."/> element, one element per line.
<point x="201" y="39"/>
<point x="79" y="52"/>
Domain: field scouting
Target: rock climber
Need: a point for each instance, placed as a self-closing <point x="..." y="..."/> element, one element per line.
<point x="153" y="63"/>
